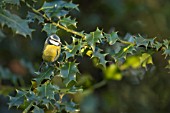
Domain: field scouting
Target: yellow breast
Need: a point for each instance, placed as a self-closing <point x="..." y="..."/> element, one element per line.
<point x="51" y="53"/>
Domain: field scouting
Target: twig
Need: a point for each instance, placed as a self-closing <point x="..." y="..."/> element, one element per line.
<point x="100" y="84"/>
<point x="28" y="108"/>
<point x="65" y="28"/>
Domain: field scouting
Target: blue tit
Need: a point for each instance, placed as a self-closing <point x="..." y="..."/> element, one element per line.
<point x="52" y="48"/>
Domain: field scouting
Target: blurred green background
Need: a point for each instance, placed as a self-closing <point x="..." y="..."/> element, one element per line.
<point x="20" y="57"/>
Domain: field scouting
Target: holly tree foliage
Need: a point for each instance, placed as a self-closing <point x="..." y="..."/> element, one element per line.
<point x="115" y="56"/>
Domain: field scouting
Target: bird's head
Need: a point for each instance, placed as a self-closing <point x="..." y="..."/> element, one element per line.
<point x="54" y="40"/>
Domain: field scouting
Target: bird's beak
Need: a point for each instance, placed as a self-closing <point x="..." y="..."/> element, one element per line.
<point x="60" y="43"/>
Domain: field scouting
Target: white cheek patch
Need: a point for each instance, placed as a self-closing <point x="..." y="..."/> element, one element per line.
<point x="54" y="42"/>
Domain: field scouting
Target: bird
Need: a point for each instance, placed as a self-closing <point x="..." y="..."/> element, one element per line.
<point x="52" y="50"/>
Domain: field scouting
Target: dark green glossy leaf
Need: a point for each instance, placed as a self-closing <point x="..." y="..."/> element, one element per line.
<point x="30" y="96"/>
<point x="20" y="26"/>
<point x="51" y="4"/>
<point x="55" y="8"/>
<point x="47" y="90"/>
<point x="45" y="75"/>
<point x="94" y="37"/>
<point x="124" y="51"/>
<point x="71" y="107"/>
<point x="167" y="52"/>
<point x="72" y="49"/>
<point x="15" y="2"/>
<point x="158" y="45"/>
<point x="141" y="41"/>
<point x="114" y="49"/>
<point x="56" y="13"/>
<point x="59" y="4"/>
<point x="129" y="38"/>
<point x="31" y="17"/>
<point x="112" y="38"/>
<point x="151" y="42"/>
<point x="166" y="43"/>
<point x="49" y="29"/>
<point x="71" y="5"/>
<point x="37" y="110"/>
<point x="46" y="102"/>
<point x="101" y="58"/>
<point x="67" y="21"/>
<point x="68" y="72"/>
<point x="18" y="99"/>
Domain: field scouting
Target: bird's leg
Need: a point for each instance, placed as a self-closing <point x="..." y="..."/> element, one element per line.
<point x="40" y="68"/>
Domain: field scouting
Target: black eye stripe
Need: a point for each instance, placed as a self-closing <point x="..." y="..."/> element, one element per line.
<point x="54" y="40"/>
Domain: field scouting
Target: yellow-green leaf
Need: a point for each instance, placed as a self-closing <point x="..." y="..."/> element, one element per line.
<point x="146" y="59"/>
<point x="112" y="72"/>
<point x="132" y="61"/>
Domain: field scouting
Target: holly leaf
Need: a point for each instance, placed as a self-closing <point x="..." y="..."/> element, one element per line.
<point x="14" y="2"/>
<point x="132" y="61"/>
<point x="30" y="96"/>
<point x="54" y="8"/>
<point x="71" y="107"/>
<point x="94" y="37"/>
<point x="18" y="99"/>
<point x="46" y="102"/>
<point x="37" y="110"/>
<point x="72" y="49"/>
<point x="112" y="72"/>
<point x="158" y="45"/>
<point x="167" y="52"/>
<point x="31" y="17"/>
<point x="101" y="58"/>
<point x="141" y="41"/>
<point x="151" y="42"/>
<point x="124" y="51"/>
<point x="49" y="28"/>
<point x="46" y="75"/>
<point x="146" y="59"/>
<point x="55" y="12"/>
<point x="129" y="38"/>
<point x="47" y="90"/>
<point x="59" y="4"/>
<point x="20" y="26"/>
<point x="166" y="43"/>
<point x="70" y="5"/>
<point x="112" y="38"/>
<point x="68" y="72"/>
<point x="66" y="21"/>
